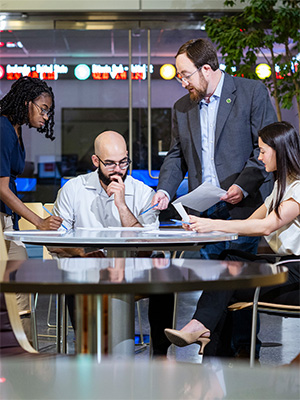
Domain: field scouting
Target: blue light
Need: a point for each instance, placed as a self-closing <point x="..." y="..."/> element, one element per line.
<point x="26" y="184"/>
<point x="82" y="72"/>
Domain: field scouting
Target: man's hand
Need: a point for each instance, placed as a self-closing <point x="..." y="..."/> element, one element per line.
<point x="234" y="195"/>
<point x="50" y="224"/>
<point x="117" y="187"/>
<point x="161" y="199"/>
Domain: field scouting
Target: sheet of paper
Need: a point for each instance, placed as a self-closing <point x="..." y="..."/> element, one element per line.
<point x="201" y="198"/>
<point x="181" y="211"/>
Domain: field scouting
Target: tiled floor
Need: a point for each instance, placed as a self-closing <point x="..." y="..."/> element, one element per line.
<point x="285" y="331"/>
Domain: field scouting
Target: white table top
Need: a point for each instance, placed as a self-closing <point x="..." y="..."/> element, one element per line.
<point x="120" y="238"/>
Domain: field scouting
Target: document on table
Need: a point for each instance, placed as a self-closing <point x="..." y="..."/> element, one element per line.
<point x="201" y="198"/>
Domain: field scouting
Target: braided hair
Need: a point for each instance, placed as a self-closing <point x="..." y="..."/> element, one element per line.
<point x="14" y="105"/>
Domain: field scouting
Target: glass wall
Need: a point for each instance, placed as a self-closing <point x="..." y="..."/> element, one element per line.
<point x="88" y="71"/>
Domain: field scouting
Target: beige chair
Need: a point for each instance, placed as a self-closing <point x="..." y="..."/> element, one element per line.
<point x="11" y="303"/>
<point x="49" y="206"/>
<point x="282" y="310"/>
<point x="37" y="208"/>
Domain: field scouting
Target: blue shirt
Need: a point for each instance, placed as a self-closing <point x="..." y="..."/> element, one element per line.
<point x="12" y="161"/>
<point x="208" y="117"/>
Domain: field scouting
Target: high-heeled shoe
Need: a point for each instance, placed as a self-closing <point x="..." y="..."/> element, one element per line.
<point x="183" y="339"/>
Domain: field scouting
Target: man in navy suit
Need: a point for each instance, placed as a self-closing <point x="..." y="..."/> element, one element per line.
<point x="215" y="139"/>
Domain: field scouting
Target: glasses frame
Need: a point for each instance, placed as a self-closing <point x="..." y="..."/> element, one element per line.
<point x="42" y="110"/>
<point x="112" y="165"/>
<point x="185" y="79"/>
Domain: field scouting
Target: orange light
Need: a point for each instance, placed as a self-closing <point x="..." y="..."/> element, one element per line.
<point x="167" y="71"/>
<point x="263" y="71"/>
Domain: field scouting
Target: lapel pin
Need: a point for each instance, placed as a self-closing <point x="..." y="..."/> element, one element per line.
<point x="228" y="101"/>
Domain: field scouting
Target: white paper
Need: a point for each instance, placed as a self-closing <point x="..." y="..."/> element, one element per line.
<point x="181" y="211"/>
<point x="201" y="198"/>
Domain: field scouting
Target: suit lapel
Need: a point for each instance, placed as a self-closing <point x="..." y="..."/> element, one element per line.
<point x="194" y="125"/>
<point x="227" y="101"/>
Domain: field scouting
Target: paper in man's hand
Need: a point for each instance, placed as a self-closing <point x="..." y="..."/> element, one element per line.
<point x="181" y="211"/>
<point x="201" y="198"/>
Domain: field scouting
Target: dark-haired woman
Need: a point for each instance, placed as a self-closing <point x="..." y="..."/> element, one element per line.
<point x="278" y="219"/>
<point x="31" y="102"/>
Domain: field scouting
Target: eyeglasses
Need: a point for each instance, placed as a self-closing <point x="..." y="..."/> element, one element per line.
<point x="112" y="165"/>
<point x="185" y="79"/>
<point x="42" y="110"/>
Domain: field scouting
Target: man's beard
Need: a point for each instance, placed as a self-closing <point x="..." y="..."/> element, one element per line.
<point x="106" y="180"/>
<point x="198" y="94"/>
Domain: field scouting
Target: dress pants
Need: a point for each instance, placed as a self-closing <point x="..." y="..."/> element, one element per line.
<point x="213" y="313"/>
<point x="17" y="251"/>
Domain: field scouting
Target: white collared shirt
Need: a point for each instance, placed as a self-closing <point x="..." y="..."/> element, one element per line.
<point x="83" y="203"/>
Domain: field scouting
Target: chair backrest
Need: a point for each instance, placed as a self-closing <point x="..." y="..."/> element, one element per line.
<point x="283" y="310"/>
<point x="37" y="208"/>
<point x="49" y="207"/>
<point x="46" y="254"/>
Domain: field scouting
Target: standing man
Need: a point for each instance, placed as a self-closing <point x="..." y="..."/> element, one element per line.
<point x="215" y="139"/>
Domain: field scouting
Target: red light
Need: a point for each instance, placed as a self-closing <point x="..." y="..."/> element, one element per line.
<point x="2" y="44"/>
<point x="11" y="76"/>
<point x="33" y="74"/>
<point x="2" y="72"/>
<point x="100" y="76"/>
<point x="49" y="76"/>
<point x="2" y="379"/>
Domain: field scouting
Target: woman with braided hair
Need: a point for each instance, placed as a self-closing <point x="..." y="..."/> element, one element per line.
<point x="30" y="102"/>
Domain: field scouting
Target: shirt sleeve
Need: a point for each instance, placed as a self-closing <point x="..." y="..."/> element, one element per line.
<point x="7" y="144"/>
<point x="295" y="191"/>
<point x="64" y="204"/>
<point x="150" y="218"/>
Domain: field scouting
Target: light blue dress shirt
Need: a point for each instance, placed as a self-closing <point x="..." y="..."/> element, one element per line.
<point x="208" y="118"/>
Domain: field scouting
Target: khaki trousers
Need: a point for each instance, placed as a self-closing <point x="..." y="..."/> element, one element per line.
<point x="16" y="251"/>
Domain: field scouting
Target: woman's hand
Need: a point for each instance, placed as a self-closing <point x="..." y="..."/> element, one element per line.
<point x="51" y="223"/>
<point x="198" y="224"/>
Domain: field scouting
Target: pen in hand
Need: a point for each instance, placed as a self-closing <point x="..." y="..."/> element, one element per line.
<point x="148" y="209"/>
<point x="180" y="222"/>
<point x="52" y="215"/>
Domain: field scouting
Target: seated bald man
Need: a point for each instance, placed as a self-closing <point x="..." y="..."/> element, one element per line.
<point x="110" y="197"/>
<point x="107" y="196"/>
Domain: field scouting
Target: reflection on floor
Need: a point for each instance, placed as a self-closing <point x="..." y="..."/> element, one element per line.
<point x="284" y="331"/>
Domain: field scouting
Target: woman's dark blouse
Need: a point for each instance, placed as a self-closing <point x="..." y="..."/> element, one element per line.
<point x="12" y="161"/>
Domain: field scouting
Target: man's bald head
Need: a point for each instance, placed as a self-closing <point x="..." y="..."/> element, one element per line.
<point x="109" y="145"/>
<point x="110" y="150"/>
